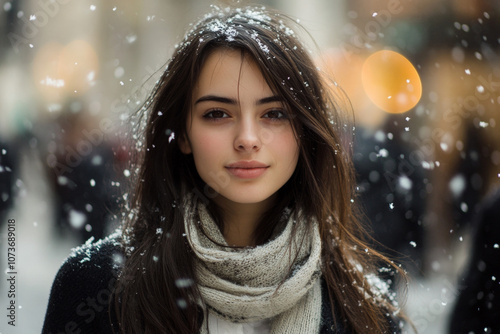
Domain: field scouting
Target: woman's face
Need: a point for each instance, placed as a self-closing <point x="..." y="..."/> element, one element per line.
<point x="238" y="131"/>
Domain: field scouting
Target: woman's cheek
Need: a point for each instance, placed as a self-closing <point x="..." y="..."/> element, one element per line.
<point x="209" y="148"/>
<point x="209" y="142"/>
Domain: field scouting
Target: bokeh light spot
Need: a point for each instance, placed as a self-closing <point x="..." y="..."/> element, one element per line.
<point x="60" y="70"/>
<point x="391" y="82"/>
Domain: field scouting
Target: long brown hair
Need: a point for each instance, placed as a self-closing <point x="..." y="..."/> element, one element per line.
<point x="157" y="290"/>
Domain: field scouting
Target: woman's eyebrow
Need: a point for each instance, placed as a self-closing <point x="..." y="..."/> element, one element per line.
<point x="270" y="99"/>
<point x="221" y="99"/>
<point x="215" y="98"/>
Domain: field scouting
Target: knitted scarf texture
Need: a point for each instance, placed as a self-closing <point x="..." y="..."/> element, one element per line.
<point x="278" y="280"/>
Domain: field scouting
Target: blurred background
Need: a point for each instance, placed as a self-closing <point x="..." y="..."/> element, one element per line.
<point x="423" y="78"/>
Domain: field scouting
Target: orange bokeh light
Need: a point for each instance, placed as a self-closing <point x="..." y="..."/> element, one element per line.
<point x="60" y="71"/>
<point x="391" y="82"/>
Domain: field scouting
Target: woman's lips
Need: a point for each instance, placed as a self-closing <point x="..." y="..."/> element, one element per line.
<point x="247" y="169"/>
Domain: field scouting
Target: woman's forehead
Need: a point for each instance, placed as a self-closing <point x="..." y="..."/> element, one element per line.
<point x="226" y="72"/>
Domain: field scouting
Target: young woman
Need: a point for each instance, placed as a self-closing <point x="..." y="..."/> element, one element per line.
<point x="243" y="218"/>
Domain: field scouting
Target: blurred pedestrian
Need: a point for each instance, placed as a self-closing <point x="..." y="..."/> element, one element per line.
<point x="392" y="194"/>
<point x="81" y="172"/>
<point x="477" y="307"/>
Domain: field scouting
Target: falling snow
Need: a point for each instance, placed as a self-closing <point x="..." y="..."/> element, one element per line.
<point x="131" y="38"/>
<point x="464" y="207"/>
<point x="77" y="219"/>
<point x="383" y="153"/>
<point x="405" y="182"/>
<point x="181" y="303"/>
<point x="457" y="185"/>
<point x="183" y="282"/>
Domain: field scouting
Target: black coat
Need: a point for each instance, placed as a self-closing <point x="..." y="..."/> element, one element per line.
<point x="81" y="293"/>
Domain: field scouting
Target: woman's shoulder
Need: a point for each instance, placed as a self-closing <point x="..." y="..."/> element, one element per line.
<point x="82" y="291"/>
<point x="98" y="261"/>
<point x="106" y="252"/>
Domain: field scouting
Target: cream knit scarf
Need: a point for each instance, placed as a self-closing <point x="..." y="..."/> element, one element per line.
<point x="252" y="284"/>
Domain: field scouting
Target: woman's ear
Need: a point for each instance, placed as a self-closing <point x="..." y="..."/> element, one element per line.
<point x="184" y="145"/>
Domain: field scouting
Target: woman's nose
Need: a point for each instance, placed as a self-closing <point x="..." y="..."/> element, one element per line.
<point x="247" y="137"/>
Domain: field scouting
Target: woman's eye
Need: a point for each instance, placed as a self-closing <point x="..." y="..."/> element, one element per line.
<point x="275" y="114"/>
<point x="215" y="114"/>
